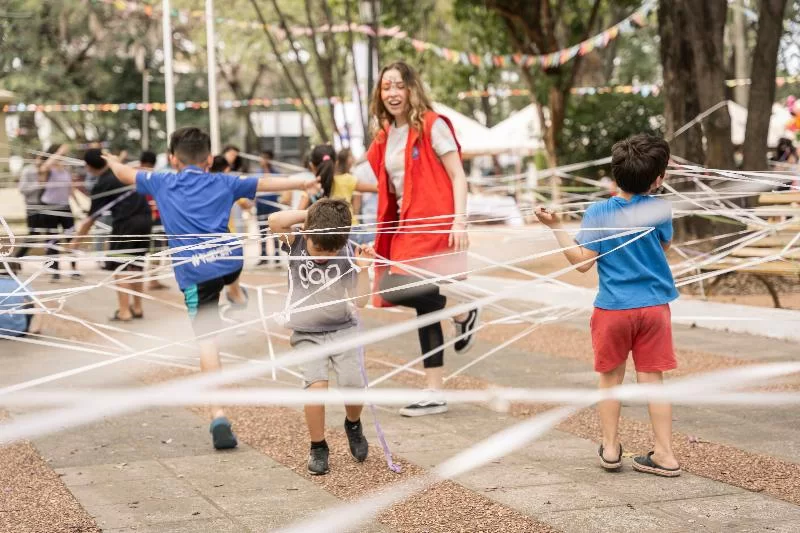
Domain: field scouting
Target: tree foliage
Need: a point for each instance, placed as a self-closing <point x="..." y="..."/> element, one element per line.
<point x="594" y="123"/>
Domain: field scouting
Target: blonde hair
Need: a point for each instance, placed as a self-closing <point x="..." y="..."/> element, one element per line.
<point x="418" y="101"/>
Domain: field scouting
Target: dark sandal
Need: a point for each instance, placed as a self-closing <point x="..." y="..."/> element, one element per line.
<point x="116" y="318"/>
<point x="222" y="434"/>
<point x="135" y="315"/>
<point x="644" y="463"/>
<point x="610" y="466"/>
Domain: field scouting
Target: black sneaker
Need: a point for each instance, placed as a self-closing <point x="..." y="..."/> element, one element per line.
<point x="425" y="407"/>
<point x="466" y="328"/>
<point x="55" y="278"/>
<point x="359" y="447"/>
<point x="318" y="461"/>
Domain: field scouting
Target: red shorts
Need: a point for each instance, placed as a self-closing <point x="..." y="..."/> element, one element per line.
<point x="645" y="331"/>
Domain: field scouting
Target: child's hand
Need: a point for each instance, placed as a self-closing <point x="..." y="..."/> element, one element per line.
<point x="110" y="158"/>
<point x="365" y="256"/>
<point x="547" y="217"/>
<point x="312" y="186"/>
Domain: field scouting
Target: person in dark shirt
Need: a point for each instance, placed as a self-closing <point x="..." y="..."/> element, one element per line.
<point x="131" y="225"/>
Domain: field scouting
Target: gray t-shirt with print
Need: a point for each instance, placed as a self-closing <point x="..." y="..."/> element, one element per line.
<point x="315" y="282"/>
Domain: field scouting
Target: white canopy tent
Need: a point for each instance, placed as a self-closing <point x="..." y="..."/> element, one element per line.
<point x="777" y="123"/>
<point x="519" y="134"/>
<point x="471" y="134"/>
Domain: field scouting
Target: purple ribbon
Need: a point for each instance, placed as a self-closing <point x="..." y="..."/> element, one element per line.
<point x="394" y="467"/>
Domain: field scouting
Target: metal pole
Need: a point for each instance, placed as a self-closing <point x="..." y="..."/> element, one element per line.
<point x="213" y="109"/>
<point x="145" y="113"/>
<point x="169" y="84"/>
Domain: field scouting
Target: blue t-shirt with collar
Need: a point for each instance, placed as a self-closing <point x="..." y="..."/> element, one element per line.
<point x="636" y="274"/>
<point x="194" y="203"/>
<point x="12" y="322"/>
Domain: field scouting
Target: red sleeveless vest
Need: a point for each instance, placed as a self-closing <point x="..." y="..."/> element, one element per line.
<point x="427" y="192"/>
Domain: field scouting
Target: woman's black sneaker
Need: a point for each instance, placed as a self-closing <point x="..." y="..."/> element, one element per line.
<point x="355" y="437"/>
<point x="466" y="328"/>
<point x="318" y="461"/>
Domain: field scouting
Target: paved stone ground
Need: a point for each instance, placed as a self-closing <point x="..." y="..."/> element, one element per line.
<point x="155" y="470"/>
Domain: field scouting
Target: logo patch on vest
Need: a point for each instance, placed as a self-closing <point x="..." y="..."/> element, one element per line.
<point x="415" y="153"/>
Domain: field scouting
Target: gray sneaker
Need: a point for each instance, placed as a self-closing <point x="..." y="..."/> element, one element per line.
<point x="318" y="461"/>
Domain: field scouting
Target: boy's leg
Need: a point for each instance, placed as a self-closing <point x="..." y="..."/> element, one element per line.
<point x="661" y="418"/>
<point x="202" y="301"/>
<point x="315" y="415"/>
<point x="348" y="375"/>
<point x="611" y="340"/>
<point x="609" y="411"/>
<point x="653" y="355"/>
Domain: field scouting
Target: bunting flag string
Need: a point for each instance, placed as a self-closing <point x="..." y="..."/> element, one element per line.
<point x="636" y="20"/>
<point x="643" y="89"/>
<point x="161" y="106"/>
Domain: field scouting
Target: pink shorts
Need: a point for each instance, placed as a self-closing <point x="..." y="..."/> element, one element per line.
<point x="645" y="331"/>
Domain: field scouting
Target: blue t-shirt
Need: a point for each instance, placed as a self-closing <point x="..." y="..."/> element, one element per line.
<point x="193" y="203"/>
<point x="12" y="322"/>
<point x="637" y="274"/>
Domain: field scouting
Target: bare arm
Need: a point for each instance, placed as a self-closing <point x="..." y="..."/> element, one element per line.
<point x="82" y="230"/>
<point x="270" y="184"/>
<point x="52" y="160"/>
<point x="282" y="222"/>
<point x="362" y="186"/>
<point x="575" y="254"/>
<point x="365" y="257"/>
<point x="305" y="202"/>
<point x="452" y="164"/>
<point x="125" y="174"/>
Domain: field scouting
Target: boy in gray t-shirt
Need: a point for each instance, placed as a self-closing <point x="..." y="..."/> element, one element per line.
<point x="323" y="277"/>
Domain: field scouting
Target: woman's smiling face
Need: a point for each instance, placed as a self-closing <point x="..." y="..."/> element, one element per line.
<point x="394" y="93"/>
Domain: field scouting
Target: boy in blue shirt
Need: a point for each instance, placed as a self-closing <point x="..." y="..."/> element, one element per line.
<point x="16" y="315"/>
<point x="195" y="206"/>
<point x="632" y="311"/>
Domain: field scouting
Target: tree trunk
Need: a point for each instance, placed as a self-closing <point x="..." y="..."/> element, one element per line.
<point x="706" y="31"/>
<point x="557" y="104"/>
<point x="680" y="86"/>
<point x="762" y="89"/>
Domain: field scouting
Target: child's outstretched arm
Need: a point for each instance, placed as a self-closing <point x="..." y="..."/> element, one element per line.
<point x="575" y="254"/>
<point x="282" y="222"/>
<point x="272" y="184"/>
<point x="124" y="173"/>
<point x="365" y="257"/>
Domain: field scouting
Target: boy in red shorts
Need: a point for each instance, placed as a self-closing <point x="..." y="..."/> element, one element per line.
<point x="632" y="306"/>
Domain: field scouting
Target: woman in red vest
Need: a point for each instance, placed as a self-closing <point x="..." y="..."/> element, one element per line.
<point x="421" y="223"/>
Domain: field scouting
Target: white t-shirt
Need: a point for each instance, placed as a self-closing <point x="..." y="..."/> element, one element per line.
<point x="442" y="141"/>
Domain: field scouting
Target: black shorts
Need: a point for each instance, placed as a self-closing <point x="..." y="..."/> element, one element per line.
<point x="130" y="238"/>
<point x="202" y="302"/>
<point x="54" y="216"/>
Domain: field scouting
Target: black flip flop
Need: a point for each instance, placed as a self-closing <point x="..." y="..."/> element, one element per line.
<point x="610" y="466"/>
<point x="116" y="318"/>
<point x="135" y="315"/>
<point x="644" y="463"/>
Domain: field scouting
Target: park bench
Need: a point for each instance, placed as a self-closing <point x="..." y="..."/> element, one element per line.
<point x="782" y="209"/>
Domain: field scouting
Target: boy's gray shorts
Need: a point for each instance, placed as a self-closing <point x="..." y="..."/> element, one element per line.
<point x="346" y="364"/>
